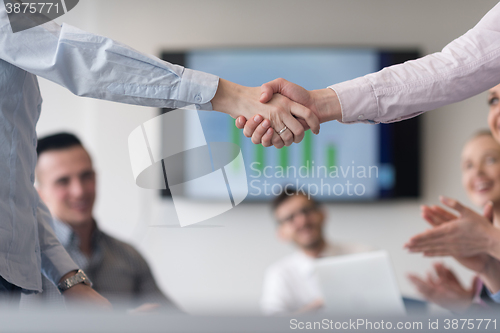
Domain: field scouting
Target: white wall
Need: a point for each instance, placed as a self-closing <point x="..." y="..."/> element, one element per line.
<point x="218" y="268"/>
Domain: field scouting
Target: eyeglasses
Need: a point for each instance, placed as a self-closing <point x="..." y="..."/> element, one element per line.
<point x="306" y="211"/>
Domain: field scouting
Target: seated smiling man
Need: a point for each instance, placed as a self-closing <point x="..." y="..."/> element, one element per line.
<point x="66" y="182"/>
<point x="290" y="286"/>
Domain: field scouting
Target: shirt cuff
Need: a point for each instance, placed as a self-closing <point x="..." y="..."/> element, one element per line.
<point x="357" y="100"/>
<point x="55" y="272"/>
<point x="494" y="297"/>
<point x="198" y="88"/>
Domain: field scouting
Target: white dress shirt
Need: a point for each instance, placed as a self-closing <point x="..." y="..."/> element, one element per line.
<point x="291" y="284"/>
<point x="466" y="67"/>
<point x="88" y="65"/>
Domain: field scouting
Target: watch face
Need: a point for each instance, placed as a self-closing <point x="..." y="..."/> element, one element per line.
<point x="82" y="278"/>
<point x="85" y="279"/>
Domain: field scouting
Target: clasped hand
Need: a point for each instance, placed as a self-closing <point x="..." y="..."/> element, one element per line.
<point x="278" y="113"/>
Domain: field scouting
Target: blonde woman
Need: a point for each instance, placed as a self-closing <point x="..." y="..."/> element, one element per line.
<point x="481" y="180"/>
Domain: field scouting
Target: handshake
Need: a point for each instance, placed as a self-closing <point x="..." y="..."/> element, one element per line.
<point x="278" y="113"/>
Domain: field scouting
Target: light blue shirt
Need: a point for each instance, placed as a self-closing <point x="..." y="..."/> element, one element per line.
<point x="494" y="297"/>
<point x="88" y="65"/>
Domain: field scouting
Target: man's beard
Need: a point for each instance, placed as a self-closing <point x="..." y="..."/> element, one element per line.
<point x="314" y="244"/>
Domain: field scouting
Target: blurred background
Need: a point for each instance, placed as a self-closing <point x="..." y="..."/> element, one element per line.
<point x="217" y="267"/>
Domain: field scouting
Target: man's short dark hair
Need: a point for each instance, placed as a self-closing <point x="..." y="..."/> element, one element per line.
<point x="57" y="141"/>
<point x="288" y="192"/>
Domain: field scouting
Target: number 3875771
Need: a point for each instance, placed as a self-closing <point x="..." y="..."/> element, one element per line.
<point x="32" y="8"/>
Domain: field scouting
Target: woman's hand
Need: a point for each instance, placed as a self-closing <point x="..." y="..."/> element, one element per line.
<point x="466" y="236"/>
<point x="436" y="215"/>
<point x="444" y="289"/>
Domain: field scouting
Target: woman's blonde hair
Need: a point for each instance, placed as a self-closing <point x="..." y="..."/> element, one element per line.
<point x="483" y="132"/>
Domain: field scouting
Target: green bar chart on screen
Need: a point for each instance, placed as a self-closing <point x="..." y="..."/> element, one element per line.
<point x="307" y="149"/>
<point x="260" y="157"/>
<point x="283" y="157"/>
<point x="331" y="155"/>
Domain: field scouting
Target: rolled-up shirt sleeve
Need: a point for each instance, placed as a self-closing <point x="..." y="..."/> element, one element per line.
<point x="466" y="67"/>
<point x="56" y="262"/>
<point x="94" y="66"/>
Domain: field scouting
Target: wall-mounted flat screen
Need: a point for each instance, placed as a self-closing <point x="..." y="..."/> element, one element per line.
<point x="342" y="163"/>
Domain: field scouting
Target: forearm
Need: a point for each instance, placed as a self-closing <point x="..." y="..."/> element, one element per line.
<point x="237" y="100"/>
<point x="327" y="104"/>
<point x="491" y="275"/>
<point x="465" y="67"/>
<point x="98" y="67"/>
<point x="227" y="96"/>
<point x="493" y="243"/>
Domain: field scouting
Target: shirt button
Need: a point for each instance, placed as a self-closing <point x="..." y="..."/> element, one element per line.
<point x="361" y="117"/>
<point x="197" y="98"/>
<point x="399" y="118"/>
<point x="34" y="142"/>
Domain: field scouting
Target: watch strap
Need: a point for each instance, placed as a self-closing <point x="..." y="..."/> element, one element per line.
<point x="79" y="277"/>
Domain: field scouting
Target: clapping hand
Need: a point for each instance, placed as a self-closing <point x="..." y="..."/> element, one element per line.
<point x="444" y="289"/>
<point x="462" y="236"/>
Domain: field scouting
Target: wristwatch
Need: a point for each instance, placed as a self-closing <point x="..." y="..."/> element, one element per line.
<point x="79" y="277"/>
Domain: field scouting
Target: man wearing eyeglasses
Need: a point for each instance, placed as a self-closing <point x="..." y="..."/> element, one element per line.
<point x="290" y="285"/>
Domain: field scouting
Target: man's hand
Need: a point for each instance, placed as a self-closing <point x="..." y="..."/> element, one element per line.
<point x="323" y="103"/>
<point x="311" y="307"/>
<point x="280" y="111"/>
<point x="445" y="290"/>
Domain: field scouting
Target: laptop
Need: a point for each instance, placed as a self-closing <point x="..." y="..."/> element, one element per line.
<point x="360" y="284"/>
